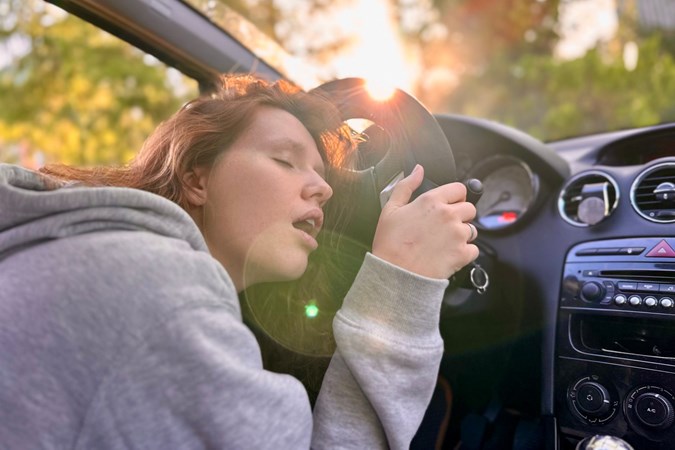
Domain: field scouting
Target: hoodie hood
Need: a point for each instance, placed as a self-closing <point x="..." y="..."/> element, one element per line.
<point x="35" y="208"/>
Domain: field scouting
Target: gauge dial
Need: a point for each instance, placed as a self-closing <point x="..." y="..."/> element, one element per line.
<point x="509" y="188"/>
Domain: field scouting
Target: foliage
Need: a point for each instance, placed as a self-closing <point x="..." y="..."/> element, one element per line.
<point x="554" y="99"/>
<point x="479" y="33"/>
<point x="79" y="95"/>
<point x="483" y="29"/>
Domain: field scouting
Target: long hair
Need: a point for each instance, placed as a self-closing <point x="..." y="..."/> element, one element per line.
<point x="205" y="127"/>
<point x="195" y="136"/>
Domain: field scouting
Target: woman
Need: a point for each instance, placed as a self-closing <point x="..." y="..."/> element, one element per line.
<point x="121" y="326"/>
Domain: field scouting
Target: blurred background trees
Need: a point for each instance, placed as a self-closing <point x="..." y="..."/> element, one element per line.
<point x="553" y="68"/>
<point x="74" y="94"/>
<point x="572" y="83"/>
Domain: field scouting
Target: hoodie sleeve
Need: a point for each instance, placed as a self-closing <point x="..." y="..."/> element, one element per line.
<point x="383" y="373"/>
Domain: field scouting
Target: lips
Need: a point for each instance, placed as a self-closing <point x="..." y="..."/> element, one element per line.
<point x="310" y="222"/>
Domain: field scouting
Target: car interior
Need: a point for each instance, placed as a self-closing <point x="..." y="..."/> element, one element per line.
<point x="563" y="329"/>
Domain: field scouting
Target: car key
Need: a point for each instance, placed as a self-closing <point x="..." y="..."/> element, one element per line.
<point x="478" y="277"/>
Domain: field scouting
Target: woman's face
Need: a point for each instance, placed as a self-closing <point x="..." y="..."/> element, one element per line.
<point x="263" y="200"/>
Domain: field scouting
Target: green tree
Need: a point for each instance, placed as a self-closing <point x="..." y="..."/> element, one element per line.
<point x="76" y="94"/>
<point x="554" y="99"/>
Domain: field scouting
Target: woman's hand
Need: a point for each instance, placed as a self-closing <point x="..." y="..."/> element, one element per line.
<point x="430" y="235"/>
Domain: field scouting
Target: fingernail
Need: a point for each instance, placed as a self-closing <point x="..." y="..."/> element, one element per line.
<point x="417" y="168"/>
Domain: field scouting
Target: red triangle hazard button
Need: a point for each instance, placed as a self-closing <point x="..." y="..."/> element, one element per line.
<point x="662" y="250"/>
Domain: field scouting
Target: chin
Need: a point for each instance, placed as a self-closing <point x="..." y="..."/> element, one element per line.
<point x="284" y="269"/>
<point x="275" y="259"/>
<point x="293" y="272"/>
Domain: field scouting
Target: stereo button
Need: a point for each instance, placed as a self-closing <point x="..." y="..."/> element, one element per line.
<point x="609" y="290"/>
<point x="635" y="300"/>
<point x="607" y="251"/>
<point x="620" y="299"/>
<point x="592" y="291"/>
<point x="626" y="286"/>
<point x="667" y="288"/>
<point x="650" y="301"/>
<point x="651" y="287"/>
<point x="667" y="302"/>
<point x="631" y="250"/>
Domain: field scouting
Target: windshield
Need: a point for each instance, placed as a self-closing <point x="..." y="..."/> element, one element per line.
<point x="553" y="69"/>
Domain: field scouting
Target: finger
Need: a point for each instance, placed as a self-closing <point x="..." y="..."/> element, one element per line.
<point x="459" y="212"/>
<point x="449" y="193"/>
<point x="405" y="188"/>
<point x="464" y="211"/>
<point x="473" y="251"/>
<point x="469" y="254"/>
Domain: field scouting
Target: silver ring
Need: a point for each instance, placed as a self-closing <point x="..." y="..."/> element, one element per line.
<point x="473" y="232"/>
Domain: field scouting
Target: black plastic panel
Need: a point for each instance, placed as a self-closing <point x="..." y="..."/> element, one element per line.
<point x="622" y="346"/>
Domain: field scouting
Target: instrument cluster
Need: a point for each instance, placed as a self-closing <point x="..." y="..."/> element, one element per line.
<point x="510" y="189"/>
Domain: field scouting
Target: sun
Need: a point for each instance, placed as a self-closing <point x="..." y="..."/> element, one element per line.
<point x="380" y="90"/>
<point x="378" y="53"/>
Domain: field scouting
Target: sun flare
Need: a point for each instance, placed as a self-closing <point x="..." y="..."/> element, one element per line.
<point x="380" y="90"/>
<point x="378" y="54"/>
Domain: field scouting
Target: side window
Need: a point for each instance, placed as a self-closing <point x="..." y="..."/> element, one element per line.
<point x="72" y="93"/>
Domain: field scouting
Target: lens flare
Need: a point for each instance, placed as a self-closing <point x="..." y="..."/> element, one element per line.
<point x="311" y="310"/>
<point x="378" y="52"/>
<point x="380" y="90"/>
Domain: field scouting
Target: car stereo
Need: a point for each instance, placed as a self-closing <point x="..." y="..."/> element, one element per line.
<point x="615" y="343"/>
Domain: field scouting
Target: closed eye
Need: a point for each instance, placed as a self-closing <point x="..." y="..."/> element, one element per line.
<point x="283" y="162"/>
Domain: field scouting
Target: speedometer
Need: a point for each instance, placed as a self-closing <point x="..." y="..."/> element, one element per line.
<point x="509" y="189"/>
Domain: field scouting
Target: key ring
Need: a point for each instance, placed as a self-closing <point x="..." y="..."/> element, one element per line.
<point x="479" y="278"/>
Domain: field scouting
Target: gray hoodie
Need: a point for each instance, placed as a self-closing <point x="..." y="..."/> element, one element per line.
<point x="119" y="330"/>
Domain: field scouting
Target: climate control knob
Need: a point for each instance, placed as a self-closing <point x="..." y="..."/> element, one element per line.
<point x="592" y="291"/>
<point x="649" y="410"/>
<point x="593" y="398"/>
<point x="654" y="410"/>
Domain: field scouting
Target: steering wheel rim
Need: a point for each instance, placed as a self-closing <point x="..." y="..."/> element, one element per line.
<point x="413" y="136"/>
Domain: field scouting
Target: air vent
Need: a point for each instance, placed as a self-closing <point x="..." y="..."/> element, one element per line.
<point x="653" y="193"/>
<point x="588" y="198"/>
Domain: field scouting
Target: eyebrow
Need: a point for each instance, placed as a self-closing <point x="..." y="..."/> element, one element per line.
<point x="285" y="143"/>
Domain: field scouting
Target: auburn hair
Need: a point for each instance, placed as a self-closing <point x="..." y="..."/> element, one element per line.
<point x="205" y="127"/>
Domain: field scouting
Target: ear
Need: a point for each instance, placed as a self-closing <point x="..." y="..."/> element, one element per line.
<point x="195" y="181"/>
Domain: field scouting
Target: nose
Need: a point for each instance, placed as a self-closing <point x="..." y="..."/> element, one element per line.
<point x="317" y="188"/>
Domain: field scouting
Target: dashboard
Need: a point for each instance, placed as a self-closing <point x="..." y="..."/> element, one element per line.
<point x="579" y="238"/>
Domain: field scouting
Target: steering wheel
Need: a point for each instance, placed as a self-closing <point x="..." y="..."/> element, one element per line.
<point x="297" y="316"/>
<point x="406" y="134"/>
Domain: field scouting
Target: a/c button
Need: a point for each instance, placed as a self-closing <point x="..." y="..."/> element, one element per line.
<point x="651" y="409"/>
